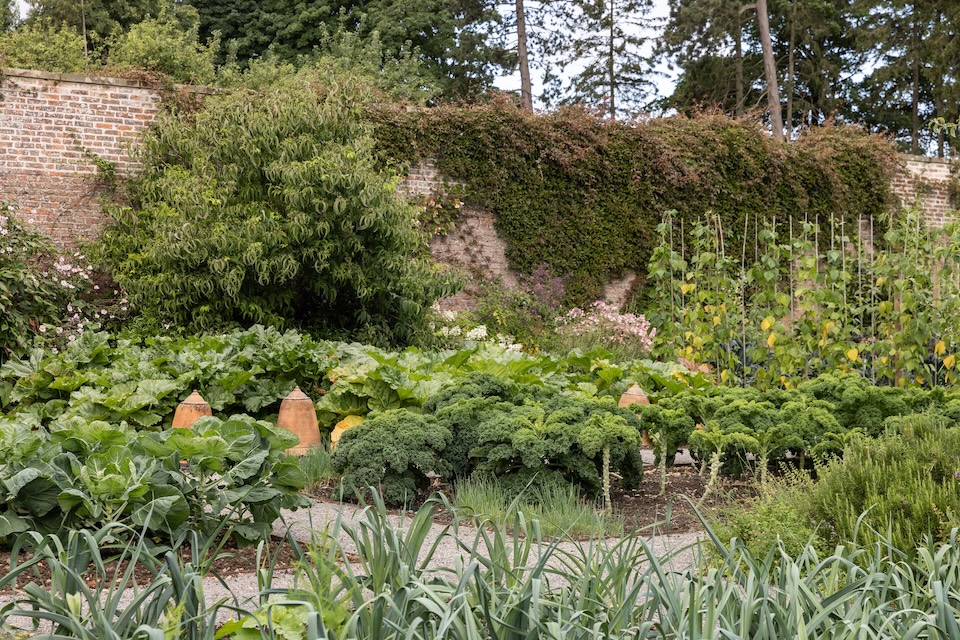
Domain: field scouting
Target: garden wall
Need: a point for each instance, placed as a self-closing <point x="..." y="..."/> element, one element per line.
<point x="62" y="134"/>
<point x="54" y="131"/>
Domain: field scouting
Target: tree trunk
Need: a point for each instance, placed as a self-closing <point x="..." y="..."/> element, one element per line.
<point x="790" y="79"/>
<point x="526" y="92"/>
<point x="610" y="69"/>
<point x="738" y="44"/>
<point x="770" y="70"/>
<point x="915" y="41"/>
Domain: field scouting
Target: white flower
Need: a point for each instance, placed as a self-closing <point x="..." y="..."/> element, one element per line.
<point x="477" y="333"/>
<point x="448" y="315"/>
<point x="43" y="328"/>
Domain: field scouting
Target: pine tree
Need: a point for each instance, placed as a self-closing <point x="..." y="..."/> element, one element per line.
<point x="607" y="66"/>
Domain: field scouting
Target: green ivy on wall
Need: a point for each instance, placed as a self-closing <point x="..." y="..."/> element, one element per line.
<point x="585" y="195"/>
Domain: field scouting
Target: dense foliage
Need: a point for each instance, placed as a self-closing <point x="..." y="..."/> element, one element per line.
<point x="905" y="484"/>
<point x="585" y="196"/>
<point x="162" y="45"/>
<point x="817" y="298"/>
<point x="267" y="207"/>
<point x="80" y="473"/>
<point x="521" y="435"/>
<point x="394" y="453"/>
<point x="46" y="294"/>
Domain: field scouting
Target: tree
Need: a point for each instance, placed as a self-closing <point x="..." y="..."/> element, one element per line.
<point x="163" y="46"/>
<point x="705" y="38"/>
<point x="904" y="44"/>
<point x="270" y="207"/>
<point x="608" y="40"/>
<point x="100" y="19"/>
<point x="8" y="14"/>
<point x="39" y="44"/>
<point x="770" y="70"/>
<point x="454" y="38"/>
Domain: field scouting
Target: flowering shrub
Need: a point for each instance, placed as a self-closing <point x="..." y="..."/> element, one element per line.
<point x="43" y="292"/>
<point x="27" y="298"/>
<point x="603" y="326"/>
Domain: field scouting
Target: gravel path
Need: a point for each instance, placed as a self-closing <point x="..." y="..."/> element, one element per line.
<point x="323" y="515"/>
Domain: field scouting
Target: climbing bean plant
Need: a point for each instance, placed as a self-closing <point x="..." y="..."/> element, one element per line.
<point x="819" y="296"/>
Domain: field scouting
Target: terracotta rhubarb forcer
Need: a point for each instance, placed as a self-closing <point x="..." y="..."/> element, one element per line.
<point x="191" y="410"/>
<point x="299" y="416"/>
<point x="635" y="395"/>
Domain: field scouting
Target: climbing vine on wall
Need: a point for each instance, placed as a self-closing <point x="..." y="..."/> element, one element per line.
<point x="585" y="195"/>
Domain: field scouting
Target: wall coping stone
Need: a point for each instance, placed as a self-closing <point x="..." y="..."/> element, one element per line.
<point x="104" y="81"/>
<point x="927" y="159"/>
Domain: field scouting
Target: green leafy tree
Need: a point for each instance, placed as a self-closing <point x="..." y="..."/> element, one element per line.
<point x="269" y="207"/>
<point x="163" y="46"/>
<point x="452" y="38"/>
<point x="709" y="42"/>
<point x="904" y="45"/>
<point x="43" y="45"/>
<point x="98" y="19"/>
<point x="9" y="15"/>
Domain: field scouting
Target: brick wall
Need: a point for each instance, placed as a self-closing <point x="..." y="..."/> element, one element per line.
<point x="50" y="124"/>
<point x="925" y="182"/>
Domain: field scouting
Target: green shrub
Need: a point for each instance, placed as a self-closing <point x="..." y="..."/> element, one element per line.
<point x="392" y="452"/>
<point x="41" y="44"/>
<point x="162" y="46"/>
<point x="779" y="514"/>
<point x="541" y="438"/>
<point x="268" y="207"/>
<point x="907" y="483"/>
<point x="27" y="298"/>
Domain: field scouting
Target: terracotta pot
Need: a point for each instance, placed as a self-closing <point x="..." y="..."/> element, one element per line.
<point x="633" y="395"/>
<point x="191" y="410"/>
<point x="299" y="416"/>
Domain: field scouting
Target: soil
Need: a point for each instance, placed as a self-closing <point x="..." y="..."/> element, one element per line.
<point x="232" y="560"/>
<point x="675" y="511"/>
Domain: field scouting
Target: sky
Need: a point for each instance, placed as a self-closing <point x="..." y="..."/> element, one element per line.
<point x="665" y="79"/>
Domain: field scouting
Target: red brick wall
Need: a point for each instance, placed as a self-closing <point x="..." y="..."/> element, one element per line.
<point x="49" y="124"/>
<point x="925" y="182"/>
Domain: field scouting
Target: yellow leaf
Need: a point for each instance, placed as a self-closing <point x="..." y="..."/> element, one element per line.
<point x="880" y="281"/>
<point x="827" y="326"/>
<point x="687" y="287"/>
<point x="771" y="340"/>
<point x="919" y="379"/>
<point x="941" y="348"/>
<point x="724" y="375"/>
<point x="767" y="323"/>
<point x="716" y="320"/>
<point x="949" y="361"/>
<point x="853" y="354"/>
<point x="884" y="360"/>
